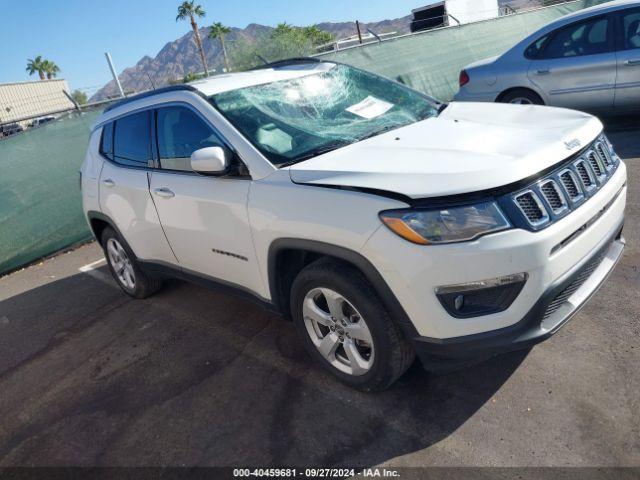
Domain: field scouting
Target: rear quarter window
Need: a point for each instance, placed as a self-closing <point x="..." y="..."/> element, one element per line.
<point x="132" y="140"/>
<point x="106" y="142"/>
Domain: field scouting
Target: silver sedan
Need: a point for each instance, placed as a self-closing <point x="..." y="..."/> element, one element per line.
<point x="588" y="60"/>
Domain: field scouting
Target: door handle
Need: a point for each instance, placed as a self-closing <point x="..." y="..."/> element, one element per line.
<point x="543" y="71"/>
<point x="632" y="63"/>
<point x="107" y="182"/>
<point x="164" y="192"/>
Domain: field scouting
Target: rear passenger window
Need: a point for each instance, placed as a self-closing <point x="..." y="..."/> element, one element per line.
<point x="132" y="141"/>
<point x="631" y="30"/>
<point x="584" y="38"/>
<point x="180" y="133"/>
<point x="106" y="145"/>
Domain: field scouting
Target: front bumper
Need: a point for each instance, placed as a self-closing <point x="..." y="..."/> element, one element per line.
<point x="562" y="300"/>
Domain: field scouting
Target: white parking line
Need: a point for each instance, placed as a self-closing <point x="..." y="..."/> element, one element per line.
<point x="91" y="270"/>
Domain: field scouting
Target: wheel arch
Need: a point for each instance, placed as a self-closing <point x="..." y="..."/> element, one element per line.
<point x="287" y="256"/>
<point x="509" y="90"/>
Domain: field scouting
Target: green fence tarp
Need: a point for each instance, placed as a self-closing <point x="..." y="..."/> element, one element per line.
<point x="431" y="61"/>
<point x="40" y="201"/>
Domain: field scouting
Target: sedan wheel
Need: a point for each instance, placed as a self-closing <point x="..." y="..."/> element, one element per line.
<point x="521" y="101"/>
<point x="338" y="331"/>
<point x="121" y="264"/>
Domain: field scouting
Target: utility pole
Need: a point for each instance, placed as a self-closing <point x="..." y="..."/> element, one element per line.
<point x="113" y="72"/>
<point x="359" y="34"/>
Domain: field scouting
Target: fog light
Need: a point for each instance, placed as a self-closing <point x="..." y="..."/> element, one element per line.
<point x="484" y="297"/>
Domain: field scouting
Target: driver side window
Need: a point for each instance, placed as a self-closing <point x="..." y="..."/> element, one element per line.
<point x="584" y="38"/>
<point x="180" y="133"/>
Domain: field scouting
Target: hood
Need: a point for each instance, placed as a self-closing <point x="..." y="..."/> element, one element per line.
<point x="469" y="147"/>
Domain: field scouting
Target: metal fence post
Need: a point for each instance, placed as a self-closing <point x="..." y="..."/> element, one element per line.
<point x="113" y="72"/>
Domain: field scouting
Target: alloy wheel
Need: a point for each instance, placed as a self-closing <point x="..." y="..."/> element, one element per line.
<point x="338" y="331"/>
<point x="121" y="264"/>
<point x="521" y="101"/>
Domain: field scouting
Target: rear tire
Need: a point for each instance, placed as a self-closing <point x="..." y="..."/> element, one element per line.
<point x="124" y="267"/>
<point x="345" y="326"/>
<point x="522" y="96"/>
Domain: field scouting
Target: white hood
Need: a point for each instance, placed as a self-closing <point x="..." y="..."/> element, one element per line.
<point x="468" y="148"/>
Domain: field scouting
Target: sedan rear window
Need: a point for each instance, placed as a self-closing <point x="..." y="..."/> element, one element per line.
<point x="291" y="120"/>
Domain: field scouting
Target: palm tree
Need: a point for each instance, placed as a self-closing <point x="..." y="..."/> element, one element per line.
<point x="189" y="10"/>
<point x="219" y="31"/>
<point x="51" y="69"/>
<point x="36" y="65"/>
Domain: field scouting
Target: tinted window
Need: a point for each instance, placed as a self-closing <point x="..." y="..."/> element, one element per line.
<point x="585" y="38"/>
<point x="631" y="29"/>
<point x="180" y="133"/>
<point x="132" y="142"/>
<point x="106" y="145"/>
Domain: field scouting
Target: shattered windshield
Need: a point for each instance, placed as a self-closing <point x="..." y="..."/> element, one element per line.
<point x="292" y="120"/>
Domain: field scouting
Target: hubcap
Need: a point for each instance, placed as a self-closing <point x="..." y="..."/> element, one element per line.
<point x="522" y="101"/>
<point x="121" y="264"/>
<point x="338" y="331"/>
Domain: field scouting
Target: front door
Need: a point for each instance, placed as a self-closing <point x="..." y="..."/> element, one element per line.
<point x="576" y="68"/>
<point x="628" y="57"/>
<point x="205" y="218"/>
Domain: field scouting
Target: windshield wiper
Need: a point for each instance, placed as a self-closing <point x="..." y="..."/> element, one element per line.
<point x="329" y="147"/>
<point x="442" y="107"/>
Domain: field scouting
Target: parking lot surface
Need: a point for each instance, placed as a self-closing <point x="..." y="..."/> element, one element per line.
<point x="89" y="376"/>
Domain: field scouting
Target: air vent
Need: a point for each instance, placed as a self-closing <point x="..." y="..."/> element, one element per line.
<point x="571" y="186"/>
<point x="553" y="196"/>
<point x="532" y="208"/>
<point x="604" y="154"/>
<point x="596" y="164"/>
<point x="585" y="175"/>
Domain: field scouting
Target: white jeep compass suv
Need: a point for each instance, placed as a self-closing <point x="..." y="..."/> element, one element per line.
<point x="385" y="224"/>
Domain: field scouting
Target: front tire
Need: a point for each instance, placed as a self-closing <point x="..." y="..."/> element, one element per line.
<point x="124" y="267"/>
<point x="346" y="327"/>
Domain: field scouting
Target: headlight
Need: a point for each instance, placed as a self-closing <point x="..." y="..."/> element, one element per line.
<point x="446" y="225"/>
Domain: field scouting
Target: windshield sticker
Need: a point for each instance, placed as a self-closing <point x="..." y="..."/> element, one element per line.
<point x="370" y="107"/>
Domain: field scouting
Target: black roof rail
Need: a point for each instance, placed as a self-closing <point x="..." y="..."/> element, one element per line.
<point x="288" y="61"/>
<point x="151" y="93"/>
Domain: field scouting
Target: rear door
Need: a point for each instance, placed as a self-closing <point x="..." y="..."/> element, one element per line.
<point x="576" y="67"/>
<point x="627" y="95"/>
<point x="124" y="186"/>
<point x="205" y="218"/>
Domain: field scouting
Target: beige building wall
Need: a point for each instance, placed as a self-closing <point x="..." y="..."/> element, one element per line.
<point x="32" y="99"/>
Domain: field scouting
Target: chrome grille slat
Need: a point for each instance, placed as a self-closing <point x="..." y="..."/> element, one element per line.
<point x="530" y="205"/>
<point x="596" y="165"/>
<point x="563" y="190"/>
<point x="553" y="196"/>
<point x="571" y="185"/>
<point x="584" y="171"/>
<point x="604" y="154"/>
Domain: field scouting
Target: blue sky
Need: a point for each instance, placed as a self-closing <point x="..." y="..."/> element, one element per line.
<point x="76" y="33"/>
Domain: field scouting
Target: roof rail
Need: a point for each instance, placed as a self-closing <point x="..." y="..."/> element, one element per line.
<point x="288" y="61"/>
<point x="150" y="93"/>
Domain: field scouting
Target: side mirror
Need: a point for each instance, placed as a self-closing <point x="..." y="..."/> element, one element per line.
<point x="209" y="160"/>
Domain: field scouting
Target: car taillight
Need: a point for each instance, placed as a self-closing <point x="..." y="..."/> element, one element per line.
<point x="464" y="78"/>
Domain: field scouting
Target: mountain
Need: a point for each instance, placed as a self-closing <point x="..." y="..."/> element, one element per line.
<point x="181" y="56"/>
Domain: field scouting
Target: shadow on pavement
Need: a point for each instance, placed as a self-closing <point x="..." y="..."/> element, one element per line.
<point x="192" y="377"/>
